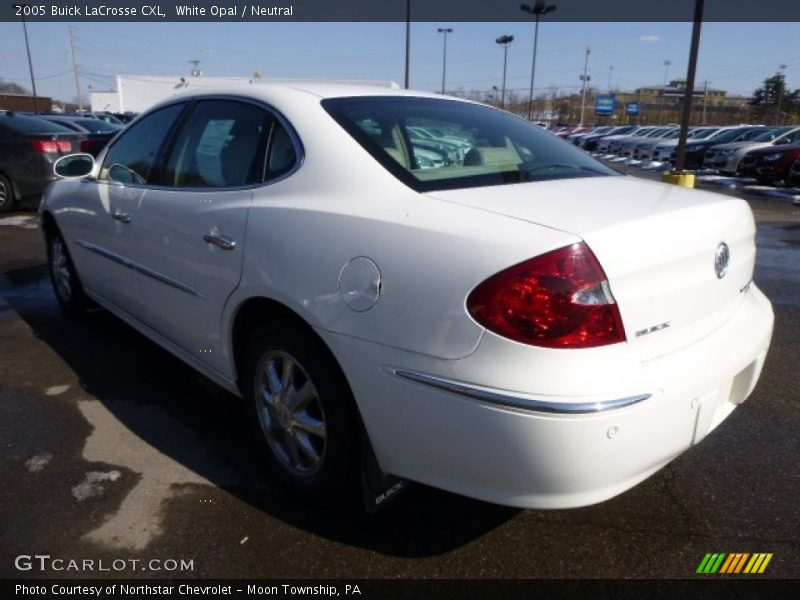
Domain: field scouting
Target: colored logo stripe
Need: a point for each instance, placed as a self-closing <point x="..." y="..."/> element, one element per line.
<point x="722" y="563"/>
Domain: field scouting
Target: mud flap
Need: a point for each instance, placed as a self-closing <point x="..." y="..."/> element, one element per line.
<point x="377" y="487"/>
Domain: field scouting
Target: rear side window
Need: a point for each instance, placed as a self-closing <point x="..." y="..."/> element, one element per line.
<point x="33" y="125"/>
<point x="438" y="144"/>
<point x="132" y="157"/>
<point x="221" y="145"/>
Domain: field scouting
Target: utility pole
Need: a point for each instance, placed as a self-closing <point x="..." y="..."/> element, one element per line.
<point x="30" y="66"/>
<point x="780" y="92"/>
<point x="584" y="78"/>
<point x="680" y="159"/>
<point x="705" y="99"/>
<point x="408" y="40"/>
<point x="445" y="31"/>
<point x="610" y="74"/>
<point x="75" y="67"/>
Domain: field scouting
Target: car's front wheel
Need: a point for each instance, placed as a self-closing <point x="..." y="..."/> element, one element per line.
<point x="67" y="286"/>
<point x="302" y="411"/>
<point x="6" y="195"/>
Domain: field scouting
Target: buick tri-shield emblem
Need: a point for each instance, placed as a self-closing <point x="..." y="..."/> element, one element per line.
<point x="722" y="259"/>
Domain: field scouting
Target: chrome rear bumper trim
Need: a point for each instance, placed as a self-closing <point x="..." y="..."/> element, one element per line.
<point x="515" y="399"/>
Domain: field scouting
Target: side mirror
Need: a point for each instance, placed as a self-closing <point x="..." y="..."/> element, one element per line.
<point x="74" y="165"/>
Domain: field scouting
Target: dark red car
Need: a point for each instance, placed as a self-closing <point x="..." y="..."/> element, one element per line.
<point x="793" y="178"/>
<point x="769" y="165"/>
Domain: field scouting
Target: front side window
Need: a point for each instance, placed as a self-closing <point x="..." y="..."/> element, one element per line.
<point x="438" y="144"/>
<point x="132" y="157"/>
<point x="221" y="145"/>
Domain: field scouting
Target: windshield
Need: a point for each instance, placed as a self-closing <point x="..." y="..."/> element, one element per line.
<point x="728" y="135"/>
<point x="771" y="134"/>
<point x="702" y="134"/>
<point x="655" y="132"/>
<point x="497" y="148"/>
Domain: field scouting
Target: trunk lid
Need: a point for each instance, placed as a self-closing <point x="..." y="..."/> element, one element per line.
<point x="657" y="244"/>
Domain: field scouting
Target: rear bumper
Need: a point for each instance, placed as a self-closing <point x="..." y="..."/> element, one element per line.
<point x="523" y="456"/>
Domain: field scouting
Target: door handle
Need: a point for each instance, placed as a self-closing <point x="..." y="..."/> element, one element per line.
<point x="121" y="216"/>
<point x="222" y="241"/>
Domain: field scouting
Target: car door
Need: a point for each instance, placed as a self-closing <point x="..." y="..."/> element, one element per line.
<point x="191" y="240"/>
<point x="104" y="222"/>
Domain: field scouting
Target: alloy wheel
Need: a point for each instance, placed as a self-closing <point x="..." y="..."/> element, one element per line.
<point x="290" y="413"/>
<point x="59" y="266"/>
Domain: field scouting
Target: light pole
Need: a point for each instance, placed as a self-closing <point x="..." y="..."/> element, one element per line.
<point x="504" y="41"/>
<point x="30" y="66"/>
<point x="539" y="8"/>
<point x="585" y="78"/>
<point x="667" y="63"/>
<point x="445" y="31"/>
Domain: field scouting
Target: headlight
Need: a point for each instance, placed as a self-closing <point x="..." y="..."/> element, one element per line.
<point x="772" y="157"/>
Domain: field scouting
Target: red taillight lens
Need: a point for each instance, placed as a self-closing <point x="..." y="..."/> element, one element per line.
<point x="558" y="300"/>
<point x="64" y="146"/>
<point x="44" y="146"/>
<point x="86" y="146"/>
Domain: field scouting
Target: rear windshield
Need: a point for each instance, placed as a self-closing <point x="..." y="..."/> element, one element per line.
<point x="438" y="144"/>
<point x="25" y="124"/>
<point x="97" y="126"/>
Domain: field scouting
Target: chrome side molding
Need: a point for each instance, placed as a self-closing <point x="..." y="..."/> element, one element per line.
<point x="517" y="400"/>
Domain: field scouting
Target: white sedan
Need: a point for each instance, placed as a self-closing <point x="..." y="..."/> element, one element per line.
<point x="522" y="325"/>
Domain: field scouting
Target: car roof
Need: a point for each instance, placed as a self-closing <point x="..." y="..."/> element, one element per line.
<point x="322" y="88"/>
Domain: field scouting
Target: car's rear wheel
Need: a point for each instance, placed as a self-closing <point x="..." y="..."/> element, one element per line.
<point x="6" y="195"/>
<point x="66" y="284"/>
<point x="302" y="411"/>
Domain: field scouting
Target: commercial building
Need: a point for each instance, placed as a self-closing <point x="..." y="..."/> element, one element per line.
<point x="25" y="103"/>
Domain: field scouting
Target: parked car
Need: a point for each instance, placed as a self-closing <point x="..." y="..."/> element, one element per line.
<point x="666" y="150"/>
<point x="769" y="165"/>
<point x="626" y="147"/>
<point x="607" y="144"/>
<point x="643" y="149"/>
<point x="567" y="131"/>
<point x="590" y="142"/>
<point x="579" y="139"/>
<point x="29" y="147"/>
<point x="525" y="326"/>
<point x="696" y="150"/>
<point x="793" y="178"/>
<point x="725" y="157"/>
<point x="96" y="133"/>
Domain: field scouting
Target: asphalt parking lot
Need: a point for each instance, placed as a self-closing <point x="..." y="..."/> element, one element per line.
<point x="112" y="448"/>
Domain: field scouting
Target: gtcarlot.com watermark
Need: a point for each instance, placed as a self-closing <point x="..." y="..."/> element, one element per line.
<point x="48" y="563"/>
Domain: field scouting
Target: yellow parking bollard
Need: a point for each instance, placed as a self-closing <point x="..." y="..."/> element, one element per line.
<point x="682" y="179"/>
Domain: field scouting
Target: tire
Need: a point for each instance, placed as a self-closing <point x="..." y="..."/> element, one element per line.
<point x="66" y="284"/>
<point x="308" y="436"/>
<point x="7" y="199"/>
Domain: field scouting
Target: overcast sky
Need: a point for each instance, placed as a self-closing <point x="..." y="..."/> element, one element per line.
<point x="733" y="56"/>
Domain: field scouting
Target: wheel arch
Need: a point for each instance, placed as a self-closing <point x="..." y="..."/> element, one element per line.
<point x="259" y="310"/>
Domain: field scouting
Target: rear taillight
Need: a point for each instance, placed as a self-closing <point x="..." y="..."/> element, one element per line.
<point x="557" y="300"/>
<point x="64" y="146"/>
<point x="44" y="146"/>
<point x="87" y="146"/>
